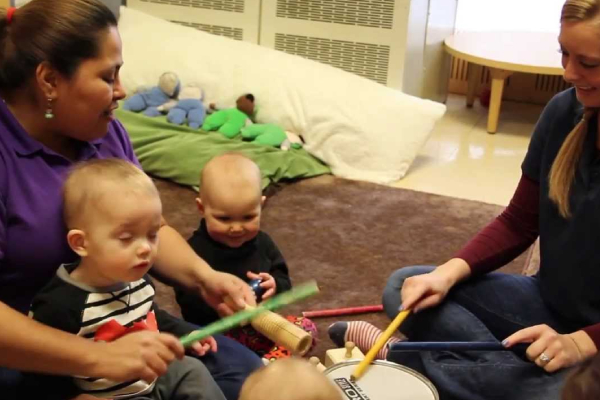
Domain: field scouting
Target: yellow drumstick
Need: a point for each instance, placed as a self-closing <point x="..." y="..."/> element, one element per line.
<point x="362" y="366"/>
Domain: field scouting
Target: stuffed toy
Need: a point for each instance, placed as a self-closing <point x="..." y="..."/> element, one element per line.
<point x="271" y="135"/>
<point x="231" y="121"/>
<point x="189" y="106"/>
<point x="293" y="141"/>
<point x="149" y="100"/>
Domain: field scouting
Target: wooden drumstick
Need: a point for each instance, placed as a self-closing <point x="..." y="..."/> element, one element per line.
<point x="406" y="346"/>
<point x="334" y="312"/>
<point x="362" y="366"/>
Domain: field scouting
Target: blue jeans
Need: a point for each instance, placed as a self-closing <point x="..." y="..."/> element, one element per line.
<point x="229" y="367"/>
<point x="9" y="382"/>
<point x="486" y="308"/>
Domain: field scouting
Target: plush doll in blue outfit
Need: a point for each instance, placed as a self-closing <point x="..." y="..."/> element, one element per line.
<point x="149" y="100"/>
<point x="188" y="107"/>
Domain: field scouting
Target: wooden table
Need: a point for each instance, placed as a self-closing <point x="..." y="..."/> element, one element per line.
<point x="504" y="53"/>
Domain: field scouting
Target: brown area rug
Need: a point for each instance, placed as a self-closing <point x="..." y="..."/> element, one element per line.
<point x="350" y="236"/>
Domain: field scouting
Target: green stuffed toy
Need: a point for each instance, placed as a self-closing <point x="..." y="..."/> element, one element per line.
<point x="270" y="135"/>
<point x="231" y="121"/>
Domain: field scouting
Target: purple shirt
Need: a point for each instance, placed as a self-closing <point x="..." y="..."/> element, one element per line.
<point x="32" y="232"/>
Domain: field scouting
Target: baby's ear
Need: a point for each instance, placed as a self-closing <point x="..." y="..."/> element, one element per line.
<point x="262" y="200"/>
<point x="200" y="206"/>
<point x="76" y="240"/>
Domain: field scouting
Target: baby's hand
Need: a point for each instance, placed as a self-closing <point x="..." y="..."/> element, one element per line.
<point x="205" y="345"/>
<point x="268" y="283"/>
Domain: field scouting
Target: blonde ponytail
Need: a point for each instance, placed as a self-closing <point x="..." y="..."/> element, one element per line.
<point x="562" y="173"/>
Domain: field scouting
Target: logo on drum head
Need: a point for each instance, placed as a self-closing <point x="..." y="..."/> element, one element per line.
<point x="351" y="391"/>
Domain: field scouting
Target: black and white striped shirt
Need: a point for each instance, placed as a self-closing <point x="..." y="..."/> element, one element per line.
<point x="103" y="314"/>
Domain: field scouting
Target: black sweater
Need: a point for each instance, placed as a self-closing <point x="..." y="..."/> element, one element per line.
<point x="257" y="255"/>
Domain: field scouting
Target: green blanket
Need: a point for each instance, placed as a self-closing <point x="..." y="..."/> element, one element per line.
<point x="179" y="153"/>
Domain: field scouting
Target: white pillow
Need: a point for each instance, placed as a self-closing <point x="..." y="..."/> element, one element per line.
<point x="361" y="129"/>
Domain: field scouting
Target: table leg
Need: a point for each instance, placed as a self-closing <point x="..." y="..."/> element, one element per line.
<point x="473" y="79"/>
<point x="498" y="77"/>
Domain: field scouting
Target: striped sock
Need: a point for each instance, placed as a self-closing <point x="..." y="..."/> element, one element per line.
<point x="362" y="333"/>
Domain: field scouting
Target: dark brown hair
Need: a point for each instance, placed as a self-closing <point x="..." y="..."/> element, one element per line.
<point x="584" y="382"/>
<point x="61" y="32"/>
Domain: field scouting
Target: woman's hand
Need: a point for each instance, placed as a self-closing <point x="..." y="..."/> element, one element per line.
<point x="226" y="293"/>
<point x="267" y="282"/>
<point x="141" y="355"/>
<point x="428" y="290"/>
<point x="552" y="351"/>
<point x="205" y="345"/>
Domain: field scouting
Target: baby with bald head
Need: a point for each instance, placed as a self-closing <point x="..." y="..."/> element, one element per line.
<point x="229" y="237"/>
<point x="231" y="199"/>
<point x="290" y="379"/>
<point x="230" y="171"/>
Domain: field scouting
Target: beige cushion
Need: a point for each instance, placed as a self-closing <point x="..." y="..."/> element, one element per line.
<point x="361" y="129"/>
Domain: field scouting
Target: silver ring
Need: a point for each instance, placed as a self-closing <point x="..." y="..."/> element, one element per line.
<point x="544" y="358"/>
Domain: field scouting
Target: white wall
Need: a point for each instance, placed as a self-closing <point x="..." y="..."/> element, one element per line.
<point x="513" y="15"/>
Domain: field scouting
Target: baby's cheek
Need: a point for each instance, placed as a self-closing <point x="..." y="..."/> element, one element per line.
<point x="219" y="232"/>
<point x="154" y="250"/>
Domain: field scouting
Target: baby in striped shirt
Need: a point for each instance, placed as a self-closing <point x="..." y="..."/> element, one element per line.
<point x="113" y="212"/>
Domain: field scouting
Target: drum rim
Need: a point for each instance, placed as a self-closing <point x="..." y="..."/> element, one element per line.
<point x="386" y="363"/>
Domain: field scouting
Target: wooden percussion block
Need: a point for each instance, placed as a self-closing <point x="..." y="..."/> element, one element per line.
<point x="348" y="352"/>
<point x="283" y="332"/>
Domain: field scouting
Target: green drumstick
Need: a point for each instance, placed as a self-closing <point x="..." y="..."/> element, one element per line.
<point x="300" y="292"/>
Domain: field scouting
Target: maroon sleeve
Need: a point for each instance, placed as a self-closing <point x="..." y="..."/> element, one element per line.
<point x="509" y="235"/>
<point x="594" y="332"/>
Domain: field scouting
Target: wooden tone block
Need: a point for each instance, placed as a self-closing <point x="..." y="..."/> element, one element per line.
<point x="349" y="352"/>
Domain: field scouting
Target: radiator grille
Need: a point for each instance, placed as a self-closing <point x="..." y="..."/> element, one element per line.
<point x="369" y="13"/>
<point x="534" y="88"/>
<point x="218" y="5"/>
<point x="459" y="69"/>
<point x="365" y="59"/>
<point x="548" y="83"/>
<point x="233" y="33"/>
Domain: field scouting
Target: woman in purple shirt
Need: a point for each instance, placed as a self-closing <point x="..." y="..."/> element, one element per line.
<point x="59" y="82"/>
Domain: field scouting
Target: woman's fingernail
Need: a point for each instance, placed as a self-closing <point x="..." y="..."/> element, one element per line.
<point x="505" y="342"/>
<point x="401" y="308"/>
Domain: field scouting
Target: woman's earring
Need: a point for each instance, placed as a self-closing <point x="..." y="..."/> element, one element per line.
<point x="49" y="114"/>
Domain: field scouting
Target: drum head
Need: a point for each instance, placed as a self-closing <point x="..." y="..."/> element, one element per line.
<point x="383" y="380"/>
